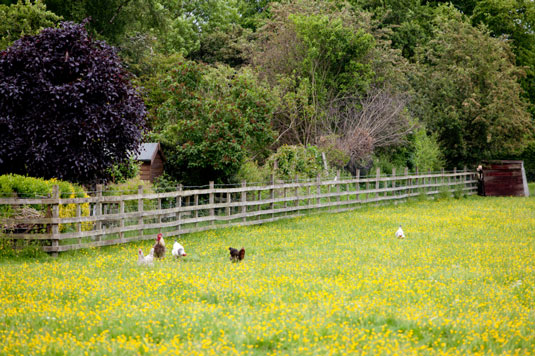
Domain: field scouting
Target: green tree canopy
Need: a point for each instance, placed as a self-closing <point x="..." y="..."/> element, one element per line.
<point x="23" y="18"/>
<point x="211" y="119"/>
<point x="468" y="91"/>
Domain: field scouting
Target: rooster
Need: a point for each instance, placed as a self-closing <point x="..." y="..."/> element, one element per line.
<point x="159" y="247"/>
<point x="236" y="255"/>
<point x="145" y="260"/>
<point x="178" y="250"/>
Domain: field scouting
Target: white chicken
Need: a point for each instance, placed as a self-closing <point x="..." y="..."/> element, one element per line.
<point x="145" y="260"/>
<point x="399" y="233"/>
<point x="178" y="250"/>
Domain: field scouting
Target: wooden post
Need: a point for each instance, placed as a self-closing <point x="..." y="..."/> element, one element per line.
<point x="357" y="184"/>
<point x="377" y="182"/>
<point x="454" y="176"/>
<point x="429" y="182"/>
<point x="228" y="204"/>
<point x="272" y="194"/>
<point x="211" y="202"/>
<point x="394" y="192"/>
<point x="338" y="187"/>
<point x="417" y="180"/>
<point x="243" y="201"/>
<point x="121" y="223"/>
<point x="140" y="209"/>
<point x="159" y="214"/>
<point x="179" y="206"/>
<point x="79" y="224"/>
<point x="297" y="192"/>
<point x="367" y="188"/>
<point x="406" y="181"/>
<point x="99" y="213"/>
<point x="55" y="225"/>
<point x="442" y="179"/>
<point x="318" y="189"/>
<point x="196" y="202"/>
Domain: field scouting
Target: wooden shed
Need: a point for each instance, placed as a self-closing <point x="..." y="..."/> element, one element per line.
<point x="504" y="178"/>
<point x="151" y="156"/>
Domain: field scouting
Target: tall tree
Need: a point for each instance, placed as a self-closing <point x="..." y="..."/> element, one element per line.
<point x="67" y="108"/>
<point x="468" y="91"/>
<point x="210" y="120"/>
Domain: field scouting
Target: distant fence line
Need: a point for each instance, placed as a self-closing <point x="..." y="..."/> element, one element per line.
<point x="103" y="220"/>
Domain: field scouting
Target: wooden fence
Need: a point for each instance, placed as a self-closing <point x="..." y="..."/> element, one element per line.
<point x="102" y="220"/>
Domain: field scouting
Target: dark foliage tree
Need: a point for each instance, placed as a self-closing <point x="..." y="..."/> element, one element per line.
<point x="67" y="108"/>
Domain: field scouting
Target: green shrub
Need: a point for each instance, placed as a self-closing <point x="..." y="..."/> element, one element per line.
<point x="292" y="161"/>
<point x="30" y="187"/>
<point x="336" y="158"/>
<point x="251" y="172"/>
<point x="427" y="154"/>
<point x="120" y="173"/>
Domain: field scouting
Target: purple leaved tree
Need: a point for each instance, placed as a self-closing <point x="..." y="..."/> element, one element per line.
<point x="67" y="107"/>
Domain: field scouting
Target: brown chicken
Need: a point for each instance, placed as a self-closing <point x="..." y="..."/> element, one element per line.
<point x="236" y="255"/>
<point x="159" y="247"/>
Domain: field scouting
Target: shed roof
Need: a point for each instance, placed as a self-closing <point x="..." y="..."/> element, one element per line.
<point x="148" y="151"/>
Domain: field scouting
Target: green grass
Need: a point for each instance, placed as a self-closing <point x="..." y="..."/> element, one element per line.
<point x="462" y="282"/>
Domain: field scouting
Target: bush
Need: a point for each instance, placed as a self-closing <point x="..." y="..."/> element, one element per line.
<point x="336" y="158"/>
<point x="29" y="187"/>
<point x="292" y="161"/>
<point x="122" y="172"/>
<point x="427" y="154"/>
<point x="251" y="172"/>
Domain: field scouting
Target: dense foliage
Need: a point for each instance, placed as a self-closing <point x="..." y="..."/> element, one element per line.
<point x="412" y="83"/>
<point x="469" y="92"/>
<point x="211" y="120"/>
<point x="23" y="18"/>
<point x="67" y="108"/>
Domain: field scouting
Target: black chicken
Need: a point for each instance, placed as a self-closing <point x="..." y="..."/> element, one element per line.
<point x="236" y="255"/>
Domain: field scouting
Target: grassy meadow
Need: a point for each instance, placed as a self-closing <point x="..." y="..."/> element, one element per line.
<point x="462" y="282"/>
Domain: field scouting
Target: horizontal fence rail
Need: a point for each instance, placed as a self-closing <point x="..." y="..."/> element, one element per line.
<point x="102" y="220"/>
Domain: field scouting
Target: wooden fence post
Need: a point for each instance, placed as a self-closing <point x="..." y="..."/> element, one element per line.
<point x="196" y="202"/>
<point x="318" y="189"/>
<point x="377" y="183"/>
<point x="140" y="209"/>
<point x="394" y="192"/>
<point x="244" y="200"/>
<point x="407" y="181"/>
<point x="228" y="204"/>
<point x="79" y="224"/>
<point x="179" y="206"/>
<point x="357" y="185"/>
<point x="121" y="223"/>
<point x="211" y="202"/>
<point x="55" y="225"/>
<point x="338" y="186"/>
<point x="272" y="194"/>
<point x="297" y="193"/>
<point x="99" y="213"/>
<point x="417" y="179"/>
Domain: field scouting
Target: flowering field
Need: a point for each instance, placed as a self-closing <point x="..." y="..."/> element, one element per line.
<point x="462" y="282"/>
